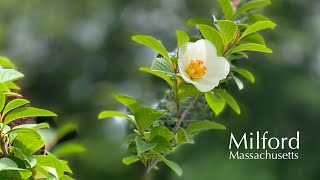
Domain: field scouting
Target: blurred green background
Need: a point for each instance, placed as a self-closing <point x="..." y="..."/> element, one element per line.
<point x="76" y="54"/>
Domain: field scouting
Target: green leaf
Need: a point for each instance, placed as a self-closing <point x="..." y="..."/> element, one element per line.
<point x="258" y="26"/>
<point x="14" y="104"/>
<point x="182" y="38"/>
<point x="142" y="146"/>
<point x="250" y="47"/>
<point x="172" y="165"/>
<point x="108" y="114"/>
<point x="183" y="136"/>
<point x="65" y="129"/>
<point x="161" y="131"/>
<point x="4" y="88"/>
<point x="248" y="75"/>
<point x="242" y="26"/>
<point x="68" y="148"/>
<point x="162" y="145"/>
<point x="216" y="103"/>
<point x="251" y="5"/>
<point x="236" y="56"/>
<point x="227" y="9"/>
<point x="213" y="36"/>
<point x="152" y="43"/>
<point x="31" y="161"/>
<point x="253" y="38"/>
<point x="130" y="159"/>
<point x="32" y="126"/>
<point x="66" y="167"/>
<point x="9" y="75"/>
<point x="50" y="160"/>
<point x="228" y="30"/>
<point x="40" y="169"/>
<point x="128" y="101"/>
<point x="66" y="177"/>
<point x="28" y="140"/>
<point x="163" y="66"/>
<point x="6" y="63"/>
<point x="159" y="74"/>
<point x="188" y="90"/>
<point x="7" y="164"/>
<point x="203" y="125"/>
<point x="2" y="101"/>
<point x="196" y="21"/>
<point x="255" y="18"/>
<point x="27" y="112"/>
<point x="238" y="82"/>
<point x="229" y="99"/>
<point x="12" y="85"/>
<point x="145" y="117"/>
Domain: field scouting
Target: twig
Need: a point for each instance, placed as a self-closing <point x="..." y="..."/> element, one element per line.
<point x="235" y="3"/>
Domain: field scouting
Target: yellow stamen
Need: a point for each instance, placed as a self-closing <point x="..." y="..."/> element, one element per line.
<point x="196" y="69"/>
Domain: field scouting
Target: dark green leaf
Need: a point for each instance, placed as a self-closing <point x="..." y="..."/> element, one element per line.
<point x="159" y="74"/>
<point x="28" y="158"/>
<point x="7" y="164"/>
<point x="161" y="131"/>
<point x="172" y="165"/>
<point x="188" y="90"/>
<point x="2" y="101"/>
<point x="145" y="116"/>
<point x="236" y="56"/>
<point x="162" y="145"/>
<point x="163" y="66"/>
<point x="183" y="136"/>
<point x="250" y="47"/>
<point x="143" y="146"/>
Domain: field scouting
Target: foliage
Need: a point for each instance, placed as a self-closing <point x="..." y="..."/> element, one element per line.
<point x="152" y="140"/>
<point x="23" y="153"/>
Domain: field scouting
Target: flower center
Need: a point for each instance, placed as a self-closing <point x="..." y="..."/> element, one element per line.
<point x="196" y="69"/>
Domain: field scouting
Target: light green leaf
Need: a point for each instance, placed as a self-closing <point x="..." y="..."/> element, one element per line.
<point x="159" y="74"/>
<point x="238" y="82"/>
<point x="253" y="38"/>
<point x="250" y="47"/>
<point x="2" y="101"/>
<point x="130" y="159"/>
<point x="227" y="9"/>
<point x="9" y="75"/>
<point x="172" y="165"/>
<point x="66" y="177"/>
<point x="203" y="125"/>
<point x="4" y="88"/>
<point x="6" y="63"/>
<point x="31" y="161"/>
<point x="258" y="26"/>
<point x="216" y="103"/>
<point x="40" y="169"/>
<point x="248" y="75"/>
<point x="145" y="117"/>
<point x="68" y="148"/>
<point x="213" y="36"/>
<point x="228" y="30"/>
<point x="163" y="66"/>
<point x="50" y="160"/>
<point x="11" y="85"/>
<point x="14" y="104"/>
<point x="197" y="21"/>
<point x="229" y="99"/>
<point x="236" y="56"/>
<point x="255" y="18"/>
<point x="142" y="146"/>
<point x="65" y="128"/>
<point x="7" y="164"/>
<point x="26" y="127"/>
<point x="188" y="90"/>
<point x="27" y="112"/>
<point x="108" y="114"/>
<point x="183" y="136"/>
<point x="182" y="38"/>
<point x="161" y="131"/>
<point x="28" y="140"/>
<point x="251" y="5"/>
<point x="128" y="101"/>
<point x="152" y="43"/>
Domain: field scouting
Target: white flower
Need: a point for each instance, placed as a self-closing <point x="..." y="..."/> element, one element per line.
<point x="199" y="65"/>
